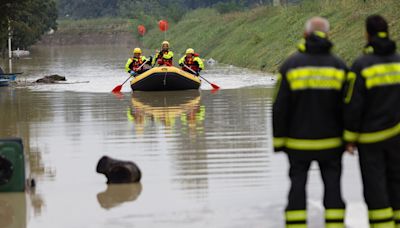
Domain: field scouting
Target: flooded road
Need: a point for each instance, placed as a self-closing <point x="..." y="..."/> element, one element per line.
<point x="206" y="158"/>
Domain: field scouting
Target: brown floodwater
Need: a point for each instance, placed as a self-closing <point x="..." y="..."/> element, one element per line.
<point x="206" y="157"/>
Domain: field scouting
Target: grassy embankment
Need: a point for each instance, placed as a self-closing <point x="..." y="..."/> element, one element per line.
<point x="101" y="25"/>
<point x="262" y="38"/>
<point x="101" y="31"/>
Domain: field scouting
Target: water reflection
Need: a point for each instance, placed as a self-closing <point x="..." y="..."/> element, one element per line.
<point x="13" y="212"/>
<point x="36" y="201"/>
<point x="173" y="110"/>
<point x="207" y="158"/>
<point x="18" y="113"/>
<point x="117" y="194"/>
<point x="230" y="149"/>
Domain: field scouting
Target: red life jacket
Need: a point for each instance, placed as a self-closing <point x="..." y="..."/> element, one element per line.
<point x="161" y="61"/>
<point x="191" y="63"/>
<point x="135" y="63"/>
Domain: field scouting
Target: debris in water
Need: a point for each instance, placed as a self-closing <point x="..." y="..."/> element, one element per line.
<point x="118" y="171"/>
<point x="51" y="79"/>
<point x="211" y="61"/>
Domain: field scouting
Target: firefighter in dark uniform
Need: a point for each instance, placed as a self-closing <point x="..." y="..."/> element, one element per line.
<point x="307" y="122"/>
<point x="372" y="122"/>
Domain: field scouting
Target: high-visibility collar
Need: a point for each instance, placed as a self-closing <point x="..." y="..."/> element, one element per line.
<point x="316" y="43"/>
<point x="380" y="44"/>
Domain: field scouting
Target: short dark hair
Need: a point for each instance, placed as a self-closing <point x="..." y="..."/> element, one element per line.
<point x="375" y="24"/>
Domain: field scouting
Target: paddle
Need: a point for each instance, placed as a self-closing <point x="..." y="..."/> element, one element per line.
<point x="212" y="84"/>
<point x="118" y="88"/>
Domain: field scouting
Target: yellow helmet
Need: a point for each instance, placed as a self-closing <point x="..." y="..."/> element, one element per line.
<point x="190" y="51"/>
<point x="137" y="51"/>
<point x="165" y="43"/>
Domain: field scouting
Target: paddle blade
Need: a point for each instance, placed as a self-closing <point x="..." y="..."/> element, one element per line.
<point x="215" y="86"/>
<point x="118" y="95"/>
<point x="117" y="89"/>
<point x="214" y="91"/>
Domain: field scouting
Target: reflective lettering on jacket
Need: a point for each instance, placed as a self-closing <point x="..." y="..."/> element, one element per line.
<point x="381" y="75"/>
<point x="316" y="78"/>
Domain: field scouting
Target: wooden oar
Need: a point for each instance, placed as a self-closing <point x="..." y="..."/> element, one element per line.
<point x="118" y="88"/>
<point x="212" y="84"/>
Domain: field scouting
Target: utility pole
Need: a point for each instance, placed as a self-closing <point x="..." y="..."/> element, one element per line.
<point x="9" y="47"/>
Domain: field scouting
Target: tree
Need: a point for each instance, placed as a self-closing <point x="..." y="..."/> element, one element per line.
<point x="29" y="19"/>
<point x="170" y="9"/>
<point x="226" y="7"/>
<point x="87" y="9"/>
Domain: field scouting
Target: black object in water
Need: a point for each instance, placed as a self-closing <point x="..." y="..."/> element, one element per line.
<point x="118" y="171"/>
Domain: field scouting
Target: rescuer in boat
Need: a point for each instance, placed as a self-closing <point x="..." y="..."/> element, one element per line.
<point x="134" y="65"/>
<point x="193" y="61"/>
<point x="164" y="57"/>
<point x="372" y="122"/>
<point x="307" y="122"/>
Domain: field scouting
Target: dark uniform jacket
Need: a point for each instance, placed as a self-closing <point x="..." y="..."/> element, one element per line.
<point x="372" y="103"/>
<point x="307" y="110"/>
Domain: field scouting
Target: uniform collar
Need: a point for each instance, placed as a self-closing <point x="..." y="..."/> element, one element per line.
<point x="316" y="43"/>
<point x="380" y="44"/>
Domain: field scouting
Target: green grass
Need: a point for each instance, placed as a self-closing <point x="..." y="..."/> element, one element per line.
<point x="263" y="37"/>
<point x="99" y="25"/>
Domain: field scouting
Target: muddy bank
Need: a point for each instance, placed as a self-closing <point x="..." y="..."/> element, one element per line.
<point x="89" y="38"/>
